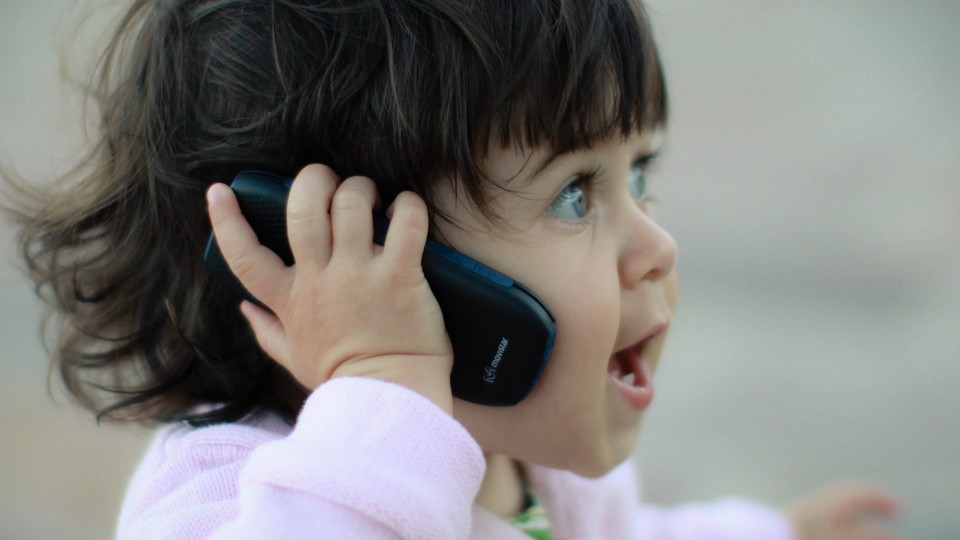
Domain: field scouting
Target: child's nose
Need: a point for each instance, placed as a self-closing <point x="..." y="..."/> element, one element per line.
<point x="648" y="252"/>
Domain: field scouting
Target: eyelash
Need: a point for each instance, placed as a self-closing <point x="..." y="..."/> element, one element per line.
<point x="588" y="181"/>
<point x="646" y="163"/>
<point x="585" y="182"/>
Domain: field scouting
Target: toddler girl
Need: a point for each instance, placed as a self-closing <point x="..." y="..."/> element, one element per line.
<point x="516" y="132"/>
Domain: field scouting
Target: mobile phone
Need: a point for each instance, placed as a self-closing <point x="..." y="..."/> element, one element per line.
<point x="502" y="334"/>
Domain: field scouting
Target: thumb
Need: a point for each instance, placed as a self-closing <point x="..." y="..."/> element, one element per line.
<point x="269" y="332"/>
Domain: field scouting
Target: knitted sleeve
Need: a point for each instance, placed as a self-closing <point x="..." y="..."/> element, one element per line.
<point x="366" y="459"/>
<point x="727" y="519"/>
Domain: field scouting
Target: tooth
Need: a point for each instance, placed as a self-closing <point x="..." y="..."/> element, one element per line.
<point x="616" y="371"/>
<point x="628" y="378"/>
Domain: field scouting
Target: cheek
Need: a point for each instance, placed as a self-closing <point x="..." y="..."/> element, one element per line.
<point x="586" y="330"/>
<point x="586" y="306"/>
<point x="565" y="421"/>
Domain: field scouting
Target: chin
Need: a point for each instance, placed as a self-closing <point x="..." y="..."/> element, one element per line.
<point x="599" y="461"/>
<point x="597" y="469"/>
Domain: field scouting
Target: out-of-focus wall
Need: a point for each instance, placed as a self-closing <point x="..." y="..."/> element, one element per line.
<point x="812" y="181"/>
<point x="811" y="177"/>
<point x="60" y="475"/>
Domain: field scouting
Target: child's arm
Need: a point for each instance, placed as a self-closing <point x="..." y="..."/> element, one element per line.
<point x="375" y="452"/>
<point x="727" y="519"/>
<point x="841" y="511"/>
<point x="347" y="308"/>
<point x="366" y="459"/>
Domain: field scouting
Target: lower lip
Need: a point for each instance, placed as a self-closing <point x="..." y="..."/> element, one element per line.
<point x="639" y="395"/>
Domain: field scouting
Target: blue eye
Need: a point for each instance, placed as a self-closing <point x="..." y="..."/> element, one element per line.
<point x="637" y="182"/>
<point x="571" y="203"/>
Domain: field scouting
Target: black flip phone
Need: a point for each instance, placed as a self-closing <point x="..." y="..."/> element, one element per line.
<point x="502" y="334"/>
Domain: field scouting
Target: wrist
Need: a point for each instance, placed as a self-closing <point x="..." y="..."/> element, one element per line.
<point x="428" y="376"/>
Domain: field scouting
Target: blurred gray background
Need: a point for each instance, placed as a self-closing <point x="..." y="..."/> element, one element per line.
<point x="812" y="180"/>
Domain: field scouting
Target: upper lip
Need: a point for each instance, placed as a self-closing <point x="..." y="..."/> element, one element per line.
<point x="651" y="331"/>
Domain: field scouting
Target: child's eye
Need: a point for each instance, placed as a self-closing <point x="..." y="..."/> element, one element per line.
<point x="572" y="203"/>
<point x="637" y="177"/>
<point x="637" y="181"/>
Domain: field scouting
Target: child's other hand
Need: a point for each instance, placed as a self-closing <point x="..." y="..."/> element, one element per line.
<point x="347" y="307"/>
<point x="843" y="511"/>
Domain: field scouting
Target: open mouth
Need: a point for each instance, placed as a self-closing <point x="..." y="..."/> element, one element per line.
<point x="631" y="375"/>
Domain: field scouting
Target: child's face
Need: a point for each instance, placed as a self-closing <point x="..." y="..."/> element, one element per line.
<point x="591" y="252"/>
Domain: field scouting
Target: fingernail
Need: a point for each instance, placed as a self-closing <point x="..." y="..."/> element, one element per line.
<point x="214" y="194"/>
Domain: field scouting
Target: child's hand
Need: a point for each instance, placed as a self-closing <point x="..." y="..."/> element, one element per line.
<point x="843" y="511"/>
<point x="347" y="307"/>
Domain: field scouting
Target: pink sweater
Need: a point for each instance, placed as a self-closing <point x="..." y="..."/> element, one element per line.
<point x="371" y="460"/>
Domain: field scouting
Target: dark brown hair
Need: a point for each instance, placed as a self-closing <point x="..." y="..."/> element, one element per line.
<point x="192" y="91"/>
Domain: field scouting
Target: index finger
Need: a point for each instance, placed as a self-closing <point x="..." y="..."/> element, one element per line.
<point x="260" y="270"/>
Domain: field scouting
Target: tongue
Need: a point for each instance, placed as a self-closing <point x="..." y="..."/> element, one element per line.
<point x="628" y="368"/>
<point x="615" y="367"/>
<point x="641" y="377"/>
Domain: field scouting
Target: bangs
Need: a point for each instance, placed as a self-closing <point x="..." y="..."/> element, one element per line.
<point x="565" y="74"/>
<point x="579" y="72"/>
